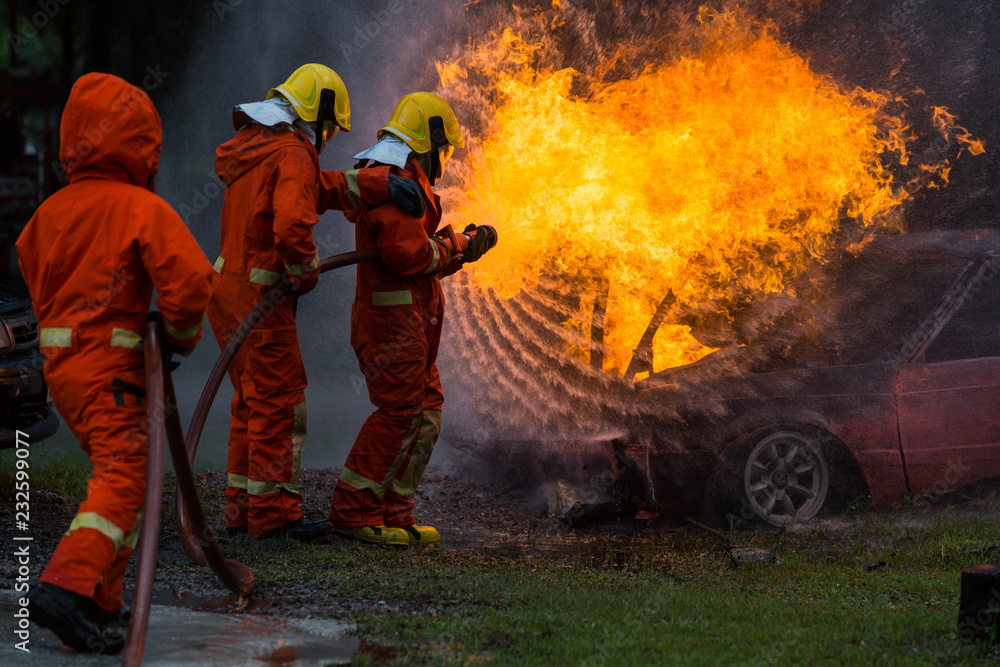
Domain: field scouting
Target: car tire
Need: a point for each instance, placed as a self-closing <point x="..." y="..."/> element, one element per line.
<point x="779" y="477"/>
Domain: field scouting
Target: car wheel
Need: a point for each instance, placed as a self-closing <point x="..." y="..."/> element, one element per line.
<point x="775" y="478"/>
<point x="786" y="478"/>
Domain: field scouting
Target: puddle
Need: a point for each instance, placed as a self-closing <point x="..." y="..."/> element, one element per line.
<point x="224" y="604"/>
<point x="181" y="636"/>
<point x="309" y="655"/>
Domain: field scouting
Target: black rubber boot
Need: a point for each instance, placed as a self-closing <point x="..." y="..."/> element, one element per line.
<point x="310" y="531"/>
<point x="70" y="616"/>
<point x="116" y="620"/>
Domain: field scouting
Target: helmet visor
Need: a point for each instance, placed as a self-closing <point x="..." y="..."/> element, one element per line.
<point x="444" y="154"/>
<point x="330" y="130"/>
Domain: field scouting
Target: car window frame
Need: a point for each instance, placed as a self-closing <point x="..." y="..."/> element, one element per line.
<point x="969" y="280"/>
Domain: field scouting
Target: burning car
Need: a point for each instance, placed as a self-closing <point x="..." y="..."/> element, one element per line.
<point x="879" y="377"/>
<point x="698" y="270"/>
<point x="883" y="379"/>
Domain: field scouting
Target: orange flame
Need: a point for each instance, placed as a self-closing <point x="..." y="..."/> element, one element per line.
<point x="721" y="174"/>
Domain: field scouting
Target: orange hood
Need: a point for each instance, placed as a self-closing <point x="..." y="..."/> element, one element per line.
<point x="110" y="129"/>
<point x="251" y="145"/>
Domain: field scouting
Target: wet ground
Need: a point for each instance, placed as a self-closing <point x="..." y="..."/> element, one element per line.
<point x="178" y="635"/>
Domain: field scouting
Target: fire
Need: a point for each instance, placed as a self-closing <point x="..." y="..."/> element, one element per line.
<point x="715" y="176"/>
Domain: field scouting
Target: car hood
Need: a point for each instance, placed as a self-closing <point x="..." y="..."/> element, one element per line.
<point x="12" y="303"/>
<point x="726" y="361"/>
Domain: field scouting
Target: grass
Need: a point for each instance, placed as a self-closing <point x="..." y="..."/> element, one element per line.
<point x="65" y="478"/>
<point x="615" y="603"/>
<point x="671" y="600"/>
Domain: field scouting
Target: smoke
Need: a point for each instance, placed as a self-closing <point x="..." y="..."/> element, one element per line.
<point x="382" y="49"/>
<point x="504" y="365"/>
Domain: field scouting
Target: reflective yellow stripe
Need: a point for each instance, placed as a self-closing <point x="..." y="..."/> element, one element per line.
<point x="353" y="189"/>
<point x="259" y="488"/>
<point x="436" y="262"/>
<point x="186" y="334"/>
<point x="236" y="481"/>
<point x="97" y="522"/>
<point x="299" y="269"/>
<point x="359" y="481"/>
<point x="55" y="337"/>
<point x="406" y="484"/>
<point x="125" y="338"/>
<point x="132" y="537"/>
<point x="398" y="298"/>
<point x="219" y="263"/>
<point x="264" y="277"/>
<point x="256" y="488"/>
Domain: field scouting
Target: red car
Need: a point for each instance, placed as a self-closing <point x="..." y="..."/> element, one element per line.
<point x="880" y="377"/>
<point x="884" y="379"/>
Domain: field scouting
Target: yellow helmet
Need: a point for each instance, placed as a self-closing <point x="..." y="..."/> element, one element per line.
<point x="428" y="125"/>
<point x="411" y="122"/>
<point x="317" y="93"/>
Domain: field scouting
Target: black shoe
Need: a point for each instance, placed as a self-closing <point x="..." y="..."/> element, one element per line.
<point x="70" y="616"/>
<point x="236" y="530"/>
<point x="116" y="620"/>
<point x="313" y="530"/>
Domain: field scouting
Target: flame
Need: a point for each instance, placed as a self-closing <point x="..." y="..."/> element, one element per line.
<point x="945" y="121"/>
<point x="717" y="175"/>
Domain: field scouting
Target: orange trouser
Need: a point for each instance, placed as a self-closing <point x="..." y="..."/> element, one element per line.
<point x="266" y="430"/>
<point x="384" y="468"/>
<point x="98" y="398"/>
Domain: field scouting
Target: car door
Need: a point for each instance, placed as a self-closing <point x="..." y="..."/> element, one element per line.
<point x="948" y="394"/>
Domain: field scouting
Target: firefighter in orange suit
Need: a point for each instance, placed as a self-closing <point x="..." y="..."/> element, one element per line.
<point x="275" y="191"/>
<point x="91" y="256"/>
<point x="396" y="327"/>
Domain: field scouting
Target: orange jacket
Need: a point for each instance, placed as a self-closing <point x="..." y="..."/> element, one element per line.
<point x="275" y="191"/>
<point x="95" y="250"/>
<point x="398" y="298"/>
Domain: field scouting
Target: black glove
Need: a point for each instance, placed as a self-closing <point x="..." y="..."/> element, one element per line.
<point x="169" y="363"/>
<point x="482" y="242"/>
<point x="405" y="194"/>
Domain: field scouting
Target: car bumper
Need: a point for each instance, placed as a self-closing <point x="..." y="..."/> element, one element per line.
<point x="24" y="402"/>
<point x="39" y="430"/>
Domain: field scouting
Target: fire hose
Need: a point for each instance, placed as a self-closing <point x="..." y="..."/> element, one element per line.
<point x="154" y="496"/>
<point x="164" y="425"/>
<point x="187" y="532"/>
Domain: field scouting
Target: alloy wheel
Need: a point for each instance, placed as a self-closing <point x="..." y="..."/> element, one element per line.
<point x="786" y="478"/>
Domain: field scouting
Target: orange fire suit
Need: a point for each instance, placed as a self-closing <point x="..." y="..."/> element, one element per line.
<point x="91" y="256"/>
<point x="275" y="190"/>
<point x="395" y="332"/>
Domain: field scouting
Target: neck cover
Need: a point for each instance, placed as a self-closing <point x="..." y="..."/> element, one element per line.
<point x="389" y="150"/>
